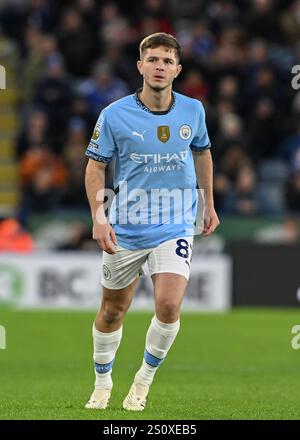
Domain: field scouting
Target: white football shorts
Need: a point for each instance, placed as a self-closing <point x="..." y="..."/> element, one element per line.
<point x="122" y="268"/>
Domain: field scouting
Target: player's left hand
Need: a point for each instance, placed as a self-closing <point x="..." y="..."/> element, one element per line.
<point x="211" y="220"/>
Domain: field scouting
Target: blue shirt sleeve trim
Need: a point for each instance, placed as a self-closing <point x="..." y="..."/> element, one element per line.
<point x="98" y="158"/>
<point x="206" y="147"/>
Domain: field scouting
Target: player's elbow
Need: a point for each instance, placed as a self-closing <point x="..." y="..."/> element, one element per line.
<point x="94" y="171"/>
<point x="94" y="165"/>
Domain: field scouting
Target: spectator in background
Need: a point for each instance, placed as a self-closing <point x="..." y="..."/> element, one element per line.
<point x="35" y="132"/>
<point x="230" y="132"/>
<point x="38" y="48"/>
<point x="185" y="33"/>
<point x="39" y="14"/>
<point x="87" y="10"/>
<point x="113" y="26"/>
<point x="203" y="42"/>
<point x="73" y="194"/>
<point x="244" y="200"/>
<point x="12" y="18"/>
<point x="222" y="14"/>
<point x="123" y="66"/>
<point x="228" y="90"/>
<point x="265" y="130"/>
<point x="40" y="157"/>
<point x="262" y="19"/>
<point x="79" y="111"/>
<point x="151" y="17"/>
<point x="222" y="188"/>
<point x="228" y="57"/>
<point x="43" y="176"/>
<point x="293" y="193"/>
<point x="13" y="238"/>
<point x="194" y="85"/>
<point x="223" y="107"/>
<point x="79" y="239"/>
<point x="148" y="24"/>
<point x="264" y="86"/>
<point x="76" y="44"/>
<point x="257" y="56"/>
<point x="157" y="12"/>
<point x="290" y="23"/>
<point x="103" y="88"/>
<point x="290" y="145"/>
<point x="178" y="9"/>
<point x="53" y="93"/>
<point x="33" y="62"/>
<point x="234" y="158"/>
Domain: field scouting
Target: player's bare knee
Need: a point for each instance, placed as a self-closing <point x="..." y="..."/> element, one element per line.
<point x="112" y="315"/>
<point x="167" y="311"/>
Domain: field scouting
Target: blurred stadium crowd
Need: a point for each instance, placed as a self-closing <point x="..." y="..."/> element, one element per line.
<point x="75" y="57"/>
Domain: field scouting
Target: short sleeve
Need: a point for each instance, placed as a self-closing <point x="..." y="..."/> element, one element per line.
<point x="102" y="145"/>
<point x="201" y="140"/>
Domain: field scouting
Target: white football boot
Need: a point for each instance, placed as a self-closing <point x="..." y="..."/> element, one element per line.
<point x="99" y="399"/>
<point x="137" y="397"/>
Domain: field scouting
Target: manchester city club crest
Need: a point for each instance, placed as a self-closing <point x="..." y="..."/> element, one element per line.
<point x="185" y="131"/>
<point x="163" y="133"/>
<point x="106" y="272"/>
<point x="96" y="133"/>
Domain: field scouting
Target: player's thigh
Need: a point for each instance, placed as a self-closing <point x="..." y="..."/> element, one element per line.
<point x="169" y="290"/>
<point x="114" y="305"/>
<point x="169" y="265"/>
<point x="118" y="299"/>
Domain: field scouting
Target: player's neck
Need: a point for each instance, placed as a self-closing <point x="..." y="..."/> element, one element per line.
<point x="156" y="101"/>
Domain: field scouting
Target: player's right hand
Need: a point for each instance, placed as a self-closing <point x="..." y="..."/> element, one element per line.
<point x="105" y="237"/>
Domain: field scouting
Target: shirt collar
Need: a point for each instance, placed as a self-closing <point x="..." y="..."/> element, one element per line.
<point x="146" y="109"/>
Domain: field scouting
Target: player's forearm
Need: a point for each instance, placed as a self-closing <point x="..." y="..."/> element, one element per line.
<point x="204" y="173"/>
<point x="94" y="184"/>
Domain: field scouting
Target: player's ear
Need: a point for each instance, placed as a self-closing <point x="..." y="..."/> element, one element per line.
<point x="139" y="65"/>
<point x="178" y="70"/>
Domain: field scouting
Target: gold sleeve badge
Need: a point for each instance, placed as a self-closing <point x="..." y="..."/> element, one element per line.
<point x="96" y="133"/>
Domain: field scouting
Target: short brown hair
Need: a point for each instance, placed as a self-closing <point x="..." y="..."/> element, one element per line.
<point x="160" y="39"/>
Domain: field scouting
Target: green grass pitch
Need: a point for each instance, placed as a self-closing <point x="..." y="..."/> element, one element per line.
<point x="234" y="365"/>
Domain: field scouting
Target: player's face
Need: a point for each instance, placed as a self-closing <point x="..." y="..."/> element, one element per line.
<point x="159" y="67"/>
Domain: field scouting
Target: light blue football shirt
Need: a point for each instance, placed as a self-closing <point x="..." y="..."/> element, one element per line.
<point x="154" y="179"/>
